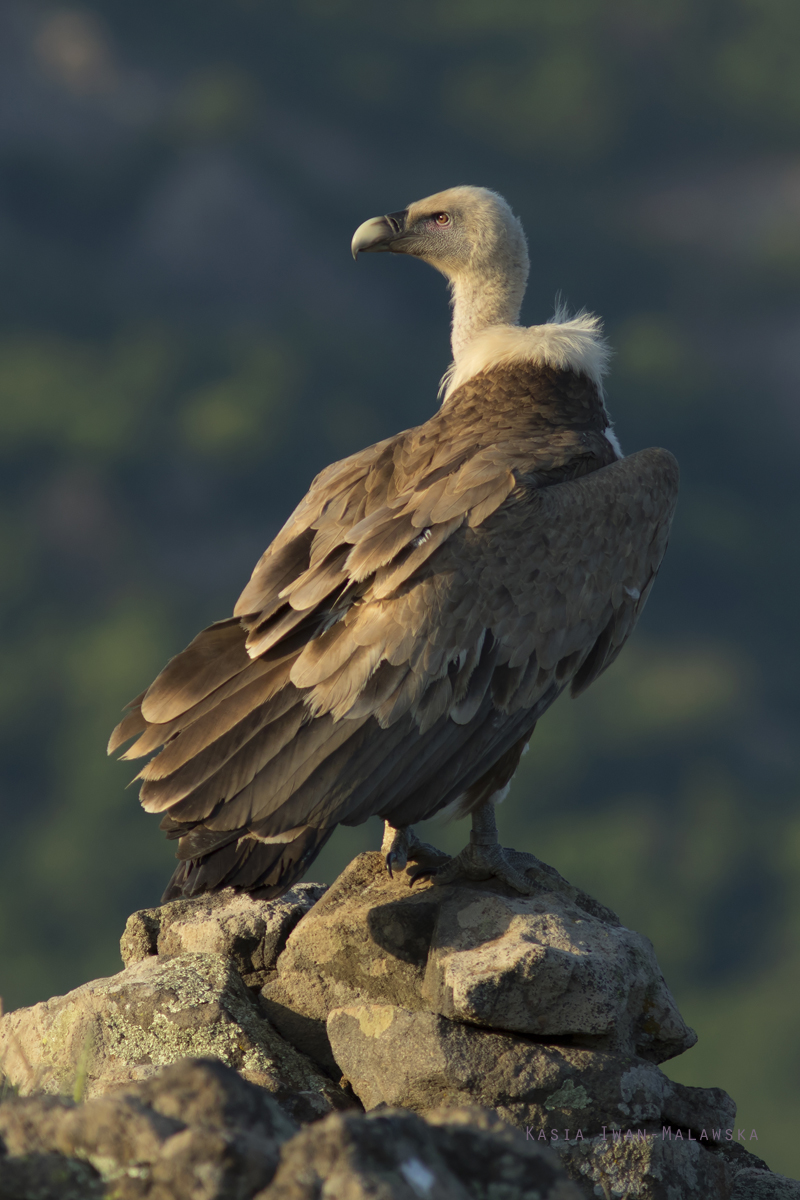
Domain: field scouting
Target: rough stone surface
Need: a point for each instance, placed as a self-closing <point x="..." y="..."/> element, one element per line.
<point x="195" y="1131"/>
<point x="366" y="939"/>
<point x="552" y="964"/>
<point x="649" y="1170"/>
<point x="420" y="1060"/>
<point x="661" y="1167"/>
<point x="49" y="1177"/>
<point x="118" y="1030"/>
<point x="251" y="932"/>
<point x="457" y="1154"/>
<point x="763" y="1185"/>
<point x="543" y="1009"/>
<point x="544" y="965"/>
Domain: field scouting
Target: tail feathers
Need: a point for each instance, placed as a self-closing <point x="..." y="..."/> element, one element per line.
<point x="131" y="724"/>
<point x="264" y="869"/>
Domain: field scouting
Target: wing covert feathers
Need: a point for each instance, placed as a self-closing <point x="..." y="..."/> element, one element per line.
<point x="424" y="604"/>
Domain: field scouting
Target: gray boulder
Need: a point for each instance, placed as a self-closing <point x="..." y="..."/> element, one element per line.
<point x="113" y="1032"/>
<point x="49" y="1177"/>
<point x="420" y="1060"/>
<point x="195" y="1131"/>
<point x="544" y="965"/>
<point x="553" y="964"/>
<point x="662" y="1167"/>
<point x="453" y="1154"/>
<point x="251" y="932"/>
<point x="752" y="1184"/>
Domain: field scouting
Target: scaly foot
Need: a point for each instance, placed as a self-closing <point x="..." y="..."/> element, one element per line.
<point x="476" y="862"/>
<point x="483" y="858"/>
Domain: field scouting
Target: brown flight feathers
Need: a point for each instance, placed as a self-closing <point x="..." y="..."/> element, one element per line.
<point x="408" y="625"/>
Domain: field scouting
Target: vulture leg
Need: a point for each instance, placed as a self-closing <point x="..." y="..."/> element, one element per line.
<point x="482" y="858"/>
<point x="401" y="844"/>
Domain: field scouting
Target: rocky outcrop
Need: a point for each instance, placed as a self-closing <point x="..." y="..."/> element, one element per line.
<point x="553" y="965"/>
<point x="250" y="932"/>
<point x="198" y="1131"/>
<point x="450" y="1154"/>
<point x="660" y="1168"/>
<point x="475" y="1025"/>
<point x="115" y="1031"/>
<point x="419" y="1060"/>
<point x="194" y="1131"/>
<point x="542" y="1008"/>
<point x="535" y="1006"/>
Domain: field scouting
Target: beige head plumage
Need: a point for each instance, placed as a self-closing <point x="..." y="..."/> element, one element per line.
<point x="471" y="235"/>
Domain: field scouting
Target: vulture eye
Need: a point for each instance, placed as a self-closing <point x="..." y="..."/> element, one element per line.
<point x="442" y="218"/>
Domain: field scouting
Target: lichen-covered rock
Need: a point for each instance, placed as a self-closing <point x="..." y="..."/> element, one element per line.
<point x="552" y="964"/>
<point x="457" y="1154"/>
<point x="367" y="939"/>
<point x="251" y="932"/>
<point x="660" y="1167"/>
<point x="543" y="965"/>
<point x="115" y="1031"/>
<point x="754" y="1184"/>
<point x="49" y="1177"/>
<point x="419" y="1060"/>
<point x="113" y="1128"/>
<point x="195" y="1131"/>
<point x="542" y="1009"/>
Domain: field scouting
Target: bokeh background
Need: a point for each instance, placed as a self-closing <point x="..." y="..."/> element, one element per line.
<point x="185" y="341"/>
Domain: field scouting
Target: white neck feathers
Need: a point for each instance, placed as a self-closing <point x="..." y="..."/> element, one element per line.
<point x="574" y="344"/>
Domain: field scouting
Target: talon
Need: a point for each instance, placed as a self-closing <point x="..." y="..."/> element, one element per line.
<point x="476" y="862"/>
<point x="417" y="873"/>
<point x="483" y="857"/>
<point x="391" y="857"/>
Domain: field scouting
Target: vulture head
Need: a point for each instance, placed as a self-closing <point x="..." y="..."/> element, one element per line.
<point x="469" y="234"/>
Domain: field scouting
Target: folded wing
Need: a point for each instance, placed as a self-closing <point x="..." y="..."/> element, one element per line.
<point x="422" y="607"/>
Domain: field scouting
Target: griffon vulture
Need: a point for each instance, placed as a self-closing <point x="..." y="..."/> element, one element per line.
<point x="423" y="605"/>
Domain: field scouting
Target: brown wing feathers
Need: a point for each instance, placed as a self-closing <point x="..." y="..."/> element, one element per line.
<point x="405" y="629"/>
<point x="214" y="657"/>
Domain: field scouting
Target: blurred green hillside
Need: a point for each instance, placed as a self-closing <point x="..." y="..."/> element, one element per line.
<point x="184" y="342"/>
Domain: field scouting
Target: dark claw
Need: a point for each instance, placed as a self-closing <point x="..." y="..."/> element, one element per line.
<point x="417" y="873"/>
<point x="428" y="862"/>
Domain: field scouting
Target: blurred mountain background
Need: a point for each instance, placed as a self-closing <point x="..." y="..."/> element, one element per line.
<point x="185" y="342"/>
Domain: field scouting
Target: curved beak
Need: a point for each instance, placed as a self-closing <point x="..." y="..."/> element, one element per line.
<point x="380" y="234"/>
